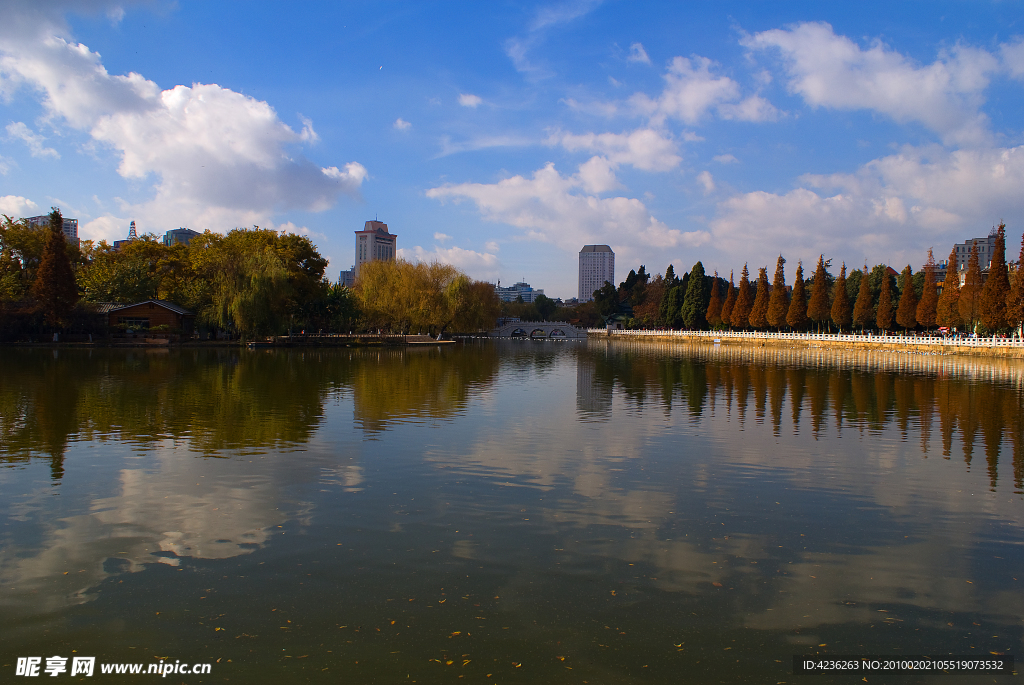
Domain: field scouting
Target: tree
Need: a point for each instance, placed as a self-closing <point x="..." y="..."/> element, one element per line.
<point x="545" y="306"/>
<point x="796" y="317"/>
<point x="947" y="311"/>
<point x="694" y="305"/>
<point x="730" y="301"/>
<point x="863" y="308"/>
<point x="1015" y="300"/>
<point x="740" y="315"/>
<point x="841" y="302"/>
<point x="906" y="312"/>
<point x="714" y="313"/>
<point x="926" y="308"/>
<point x="969" y="304"/>
<point x="883" y="315"/>
<point x="55" y="289"/>
<point x="778" y="304"/>
<point x="759" y="312"/>
<point x="997" y="288"/>
<point x="818" y="307"/>
<point x="606" y="299"/>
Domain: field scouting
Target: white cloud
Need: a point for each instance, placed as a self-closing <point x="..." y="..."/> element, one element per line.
<point x="483" y="143"/>
<point x="5" y="165"/>
<point x="706" y="181"/>
<point x="1013" y="57"/>
<point x="726" y="159"/>
<point x="692" y="90"/>
<point x="491" y="246"/>
<point x="402" y="125"/>
<point x="548" y="207"/>
<point x="18" y="130"/>
<point x="442" y="237"/>
<point x="596" y="176"/>
<point x="643" y="148"/>
<point x="478" y="265"/>
<point x="469" y="100"/>
<point x="832" y="71"/>
<point x="16" y="206"/>
<point x="638" y="54"/>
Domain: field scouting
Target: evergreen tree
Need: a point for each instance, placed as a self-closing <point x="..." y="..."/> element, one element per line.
<point x="841" y="302"/>
<point x="714" y="313"/>
<point x="926" y="308"/>
<point x="969" y="304"/>
<point x="947" y="311"/>
<point x="740" y="315"/>
<point x="883" y="315"/>
<point x="694" y="305"/>
<point x="730" y="300"/>
<point x="55" y="289"/>
<point x="863" y="308"/>
<point x="1015" y="300"/>
<point x="796" y="317"/>
<point x="906" y="312"/>
<point x="818" y="307"/>
<point x="778" y="304"/>
<point x="663" y="308"/>
<point x="997" y="287"/>
<point x="759" y="312"/>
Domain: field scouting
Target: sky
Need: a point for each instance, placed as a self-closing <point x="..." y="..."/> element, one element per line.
<point x="502" y="137"/>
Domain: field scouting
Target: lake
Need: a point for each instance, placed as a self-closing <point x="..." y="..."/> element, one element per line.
<point x="521" y="512"/>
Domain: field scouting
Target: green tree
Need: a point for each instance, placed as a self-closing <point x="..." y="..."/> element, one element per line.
<point x="606" y="299"/>
<point x="969" y="304"/>
<point x="759" y="311"/>
<point x="796" y="317"/>
<point x="841" y="310"/>
<point x="694" y="304"/>
<point x="1015" y="300"/>
<point x="997" y="288"/>
<point x="740" y="315"/>
<point x="54" y="288"/>
<point x="884" y="312"/>
<point x="927" y="306"/>
<point x="818" y="308"/>
<point x="730" y="300"/>
<point x="947" y="311"/>
<point x="778" y="304"/>
<point x="863" y="308"/>
<point x="545" y="306"/>
<point x="906" y="312"/>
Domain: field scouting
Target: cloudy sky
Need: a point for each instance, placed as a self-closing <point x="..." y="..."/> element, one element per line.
<point x="501" y="137"/>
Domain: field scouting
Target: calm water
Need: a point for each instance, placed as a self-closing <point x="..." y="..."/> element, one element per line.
<point x="520" y="513"/>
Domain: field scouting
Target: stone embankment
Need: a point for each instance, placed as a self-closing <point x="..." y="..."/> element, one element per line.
<point x="1007" y="348"/>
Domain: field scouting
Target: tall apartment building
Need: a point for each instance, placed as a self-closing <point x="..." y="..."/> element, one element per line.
<point x="70" y="226"/>
<point x="597" y="265"/>
<point x="374" y="243"/>
<point x="179" y="235"/>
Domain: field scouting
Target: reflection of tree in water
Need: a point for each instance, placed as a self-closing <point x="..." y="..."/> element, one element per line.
<point x="396" y="384"/>
<point x="975" y="399"/>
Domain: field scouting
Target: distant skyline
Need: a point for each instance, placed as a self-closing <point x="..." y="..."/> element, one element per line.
<point x="503" y="137"/>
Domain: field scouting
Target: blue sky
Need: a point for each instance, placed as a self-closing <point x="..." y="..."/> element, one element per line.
<point x="502" y="137"/>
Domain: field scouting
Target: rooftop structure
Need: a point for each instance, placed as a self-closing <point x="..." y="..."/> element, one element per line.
<point x="132" y="237"/>
<point x="374" y="243"/>
<point x="597" y="265"/>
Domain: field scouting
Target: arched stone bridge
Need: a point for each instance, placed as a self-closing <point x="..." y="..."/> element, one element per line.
<point x="539" y="330"/>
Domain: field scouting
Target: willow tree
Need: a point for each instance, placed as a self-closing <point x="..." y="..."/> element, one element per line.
<point x="947" y="311"/>
<point x="54" y="289"/>
<point x="906" y="312"/>
<point x="796" y="317"/>
<point x="778" y="303"/>
<point x="926" y="308"/>
<point x="841" y="310"/>
<point x="759" y="311"/>
<point x="997" y="288"/>
<point x="714" y="312"/>
<point x="864" y="307"/>
<point x="969" y="304"/>
<point x="818" y="307"/>
<point x="883" y="314"/>
<point x="740" y="315"/>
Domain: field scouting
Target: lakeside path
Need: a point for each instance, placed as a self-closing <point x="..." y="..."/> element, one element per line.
<point x="1006" y="348"/>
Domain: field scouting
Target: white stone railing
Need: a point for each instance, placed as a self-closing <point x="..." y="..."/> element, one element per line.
<point x="824" y="337"/>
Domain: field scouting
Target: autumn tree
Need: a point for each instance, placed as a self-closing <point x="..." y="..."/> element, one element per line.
<point x="818" y="307"/>
<point x="969" y="304"/>
<point x="714" y="313"/>
<point x="928" y="304"/>
<point x="730" y="300"/>
<point x="740" y="315"/>
<point x="947" y="311"/>
<point x="840" y="312"/>
<point x="997" y="288"/>
<point x="778" y="304"/>
<point x="884" y="313"/>
<point x="54" y="288"/>
<point x="759" y="311"/>
<point x="864" y="308"/>
<point x="906" y="311"/>
<point x="796" y="317"/>
<point x="694" y="306"/>
<point x="1015" y="300"/>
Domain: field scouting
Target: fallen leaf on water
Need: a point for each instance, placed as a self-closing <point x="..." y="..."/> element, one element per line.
<point x="717" y="584"/>
<point x="516" y="664"/>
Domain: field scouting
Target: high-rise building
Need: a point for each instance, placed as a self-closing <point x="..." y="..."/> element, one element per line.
<point x="597" y="265"/>
<point x="374" y="243"/>
<point x="70" y="226"/>
<point x="513" y="293"/>
<point x="986" y="246"/>
<point x="179" y="235"/>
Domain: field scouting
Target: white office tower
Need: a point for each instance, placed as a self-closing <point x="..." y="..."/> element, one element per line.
<point x="597" y="265"/>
